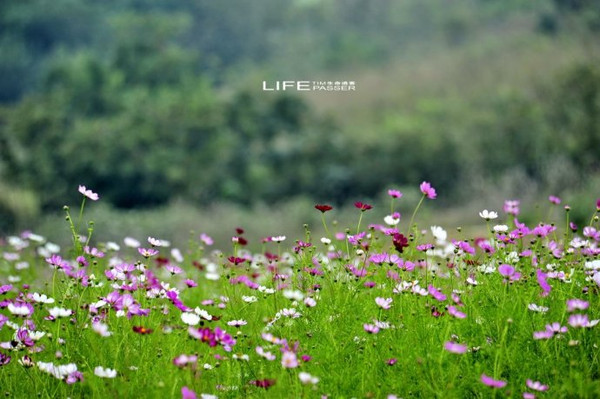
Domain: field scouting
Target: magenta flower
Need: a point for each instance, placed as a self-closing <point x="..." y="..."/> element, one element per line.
<point x="542" y="281"/>
<point x="543" y="334"/>
<point x="5" y="288"/>
<point x="384" y="303"/>
<point x="454" y="347"/>
<point x="536" y="386"/>
<point x="436" y="294"/>
<point x="553" y="199"/>
<point x="187" y="393"/>
<point x="88" y="193"/>
<point x="427" y="190"/>
<point x="391" y="362"/>
<point x="191" y="283"/>
<point x="394" y="193"/>
<point x="490" y="382"/>
<point x="598" y="204"/>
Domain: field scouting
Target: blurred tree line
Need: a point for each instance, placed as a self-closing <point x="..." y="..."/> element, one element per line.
<point x="131" y="98"/>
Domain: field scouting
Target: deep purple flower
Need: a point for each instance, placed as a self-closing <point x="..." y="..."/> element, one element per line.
<point x="490" y="382"/>
<point x="400" y="242"/>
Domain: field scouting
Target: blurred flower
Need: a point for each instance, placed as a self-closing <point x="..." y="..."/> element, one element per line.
<point x="427" y="190"/>
<point x="490" y="382"/>
<point x="105" y="372"/>
<point x="88" y="193"/>
<point x="454" y="347"/>
<point x="362" y="206"/>
<point x="488" y="215"/>
<point x="394" y="193"/>
<point x="323" y="208"/>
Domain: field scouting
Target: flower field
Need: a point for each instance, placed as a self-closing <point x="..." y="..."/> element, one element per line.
<point x="373" y="309"/>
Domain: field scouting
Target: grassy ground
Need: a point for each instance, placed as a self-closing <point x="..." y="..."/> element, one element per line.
<point x="411" y="324"/>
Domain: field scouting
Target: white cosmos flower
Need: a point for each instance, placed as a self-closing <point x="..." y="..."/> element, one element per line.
<point x="439" y="233"/>
<point x="306" y="378"/>
<point x="131" y="242"/>
<point x="105" y="372"/>
<point x="310" y="302"/>
<point x="191" y="319"/>
<point x="325" y="240"/>
<point x="278" y="239"/>
<point x="203" y="313"/>
<point x="36" y="335"/>
<point x="488" y="215"/>
<point x="60" y="312"/>
<point x="500" y="228"/>
<point x="293" y="294"/>
<point x="249" y="299"/>
<point x="101" y="329"/>
<point x="390" y="220"/>
<point x="41" y="298"/>
<point x="536" y="308"/>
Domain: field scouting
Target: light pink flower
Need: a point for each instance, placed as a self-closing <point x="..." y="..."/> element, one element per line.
<point x="89" y="193"/>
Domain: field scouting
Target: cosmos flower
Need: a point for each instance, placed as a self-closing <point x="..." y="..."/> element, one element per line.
<point x="576" y="304"/>
<point x="394" y="193"/>
<point x="454" y="347"/>
<point x="289" y="360"/>
<point x="554" y="199"/>
<point x="384" y="303"/>
<point x="370" y="328"/>
<point x="105" y="372"/>
<point x="323" y="208"/>
<point x="362" y="206"/>
<point x="488" y="215"/>
<point x="536" y="386"/>
<point x="88" y="193"/>
<point x="490" y="382"/>
<point x="427" y="190"/>
<point x="306" y="378"/>
<point x="511" y="207"/>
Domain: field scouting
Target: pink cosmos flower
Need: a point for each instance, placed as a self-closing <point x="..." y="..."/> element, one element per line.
<point x="536" y="386"/>
<point x="427" y="190"/>
<point x="490" y="382"/>
<point x="573" y="304"/>
<point x="436" y="294"/>
<point x="289" y="360"/>
<point x="394" y="193"/>
<point x="88" y="193"/>
<point x="511" y="207"/>
<point x="454" y="347"/>
<point x="187" y="393"/>
<point x="371" y="329"/>
<point x="384" y="303"/>
<point x="453" y="311"/>
<point x="147" y="252"/>
<point x="554" y="199"/>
